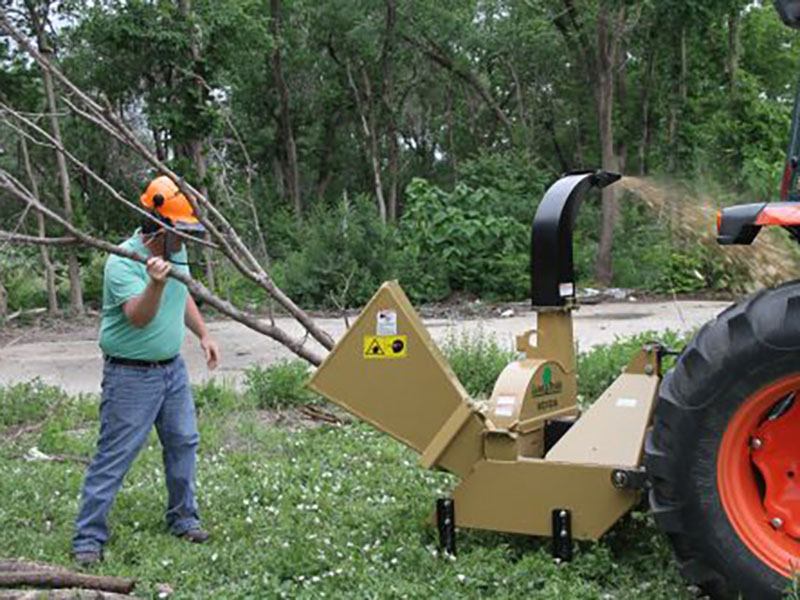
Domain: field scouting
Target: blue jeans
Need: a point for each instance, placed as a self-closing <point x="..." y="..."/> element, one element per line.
<point x="134" y="399"/>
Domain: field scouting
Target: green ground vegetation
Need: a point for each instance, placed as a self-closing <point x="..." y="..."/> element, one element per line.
<point x="302" y="509"/>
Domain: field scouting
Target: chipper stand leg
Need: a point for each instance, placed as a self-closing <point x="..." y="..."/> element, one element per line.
<point x="562" y="534"/>
<point x="446" y="523"/>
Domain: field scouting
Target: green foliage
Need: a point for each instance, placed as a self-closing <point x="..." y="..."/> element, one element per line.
<point x="25" y="288"/>
<point x="598" y="367"/>
<point x="346" y="253"/>
<point x="743" y="137"/>
<point x="28" y="402"/>
<point x="92" y="277"/>
<point x="280" y="385"/>
<point x="477" y="360"/>
<point x="218" y="395"/>
<point x="326" y="511"/>
<point x="238" y="289"/>
<point x="35" y="403"/>
<point x="682" y="274"/>
<point x="471" y="116"/>
<point x="516" y="179"/>
<point x="484" y="253"/>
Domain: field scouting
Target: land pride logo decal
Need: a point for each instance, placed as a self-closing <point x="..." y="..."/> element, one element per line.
<point x="547" y="386"/>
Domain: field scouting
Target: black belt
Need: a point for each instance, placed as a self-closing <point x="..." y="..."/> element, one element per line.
<point x="132" y="362"/>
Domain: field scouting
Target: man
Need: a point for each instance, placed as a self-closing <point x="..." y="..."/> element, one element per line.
<point x="145" y="382"/>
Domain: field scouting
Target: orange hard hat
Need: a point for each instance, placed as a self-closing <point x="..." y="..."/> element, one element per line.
<point x="165" y="198"/>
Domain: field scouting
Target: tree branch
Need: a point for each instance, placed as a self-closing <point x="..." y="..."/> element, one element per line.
<point x="440" y="57"/>
<point x="53" y="143"/>
<point x="16" y="189"/>
<point x="18" y="238"/>
<point x="230" y="242"/>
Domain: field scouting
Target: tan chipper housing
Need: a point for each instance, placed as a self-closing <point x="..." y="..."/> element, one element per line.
<point x="527" y="463"/>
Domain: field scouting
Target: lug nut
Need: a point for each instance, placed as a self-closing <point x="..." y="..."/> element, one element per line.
<point x="756" y="443"/>
<point x="776" y="522"/>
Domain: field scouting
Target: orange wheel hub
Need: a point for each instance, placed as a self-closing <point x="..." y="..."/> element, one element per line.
<point x="758" y="474"/>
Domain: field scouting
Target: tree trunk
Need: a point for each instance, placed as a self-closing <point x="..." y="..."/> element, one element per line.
<point x="451" y="144"/>
<point x="644" y="145"/>
<point x="366" y="113"/>
<point x="74" y="269"/>
<point x="324" y="173"/>
<point x="522" y="113"/>
<point x="3" y="301"/>
<point x="195" y="146"/>
<point x="732" y="62"/>
<point x="550" y="126"/>
<point x="621" y="82"/>
<point x="49" y="271"/>
<point x="293" y="173"/>
<point x="608" y="31"/>
<point x="580" y="143"/>
<point x="158" y="144"/>
<point x="388" y="103"/>
<point x="677" y="106"/>
<point x="200" y="165"/>
<point x="603" y="267"/>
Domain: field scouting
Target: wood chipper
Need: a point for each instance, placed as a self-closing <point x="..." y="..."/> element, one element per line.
<point x="527" y="463"/>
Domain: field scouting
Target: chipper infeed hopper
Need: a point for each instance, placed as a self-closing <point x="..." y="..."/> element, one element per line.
<point x="528" y="461"/>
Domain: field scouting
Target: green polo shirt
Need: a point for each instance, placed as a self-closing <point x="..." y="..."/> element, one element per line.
<point x="123" y="279"/>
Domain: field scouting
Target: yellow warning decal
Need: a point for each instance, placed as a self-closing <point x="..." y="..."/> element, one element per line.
<point x="385" y="346"/>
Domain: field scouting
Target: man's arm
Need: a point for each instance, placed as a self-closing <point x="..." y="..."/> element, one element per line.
<point x="141" y="309"/>
<point x="194" y="321"/>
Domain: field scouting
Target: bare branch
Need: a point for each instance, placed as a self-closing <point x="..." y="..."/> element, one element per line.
<point x="53" y="143"/>
<point x="440" y="57"/>
<point x="16" y="189"/>
<point x="18" y="238"/>
<point x="230" y="242"/>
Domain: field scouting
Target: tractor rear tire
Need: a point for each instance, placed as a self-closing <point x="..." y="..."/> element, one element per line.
<point x="708" y="495"/>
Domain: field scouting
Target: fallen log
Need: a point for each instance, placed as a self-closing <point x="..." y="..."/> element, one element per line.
<point x="27" y="312"/>
<point x="16" y="565"/>
<point x="66" y="579"/>
<point x="65" y="594"/>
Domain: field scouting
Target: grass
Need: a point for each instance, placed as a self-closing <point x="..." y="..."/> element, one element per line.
<point x="329" y="511"/>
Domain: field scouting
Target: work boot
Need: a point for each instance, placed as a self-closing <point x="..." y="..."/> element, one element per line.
<point x="87" y="558"/>
<point x="196" y="536"/>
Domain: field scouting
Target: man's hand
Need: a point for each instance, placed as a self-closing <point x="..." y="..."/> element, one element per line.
<point x="211" y="349"/>
<point x="141" y="309"/>
<point x="158" y="269"/>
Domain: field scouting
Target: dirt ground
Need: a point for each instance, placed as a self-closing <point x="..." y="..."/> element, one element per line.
<point x="67" y="354"/>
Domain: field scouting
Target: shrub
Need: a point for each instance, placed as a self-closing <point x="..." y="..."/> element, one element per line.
<point x="477" y="360"/>
<point x="27" y="402"/>
<point x="346" y="254"/>
<point x="482" y="253"/>
<point x="216" y="395"/>
<point x="280" y="385"/>
<point x="22" y="279"/>
<point x="598" y="367"/>
<point x="237" y="288"/>
<point x="516" y="178"/>
<point x="92" y="277"/>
